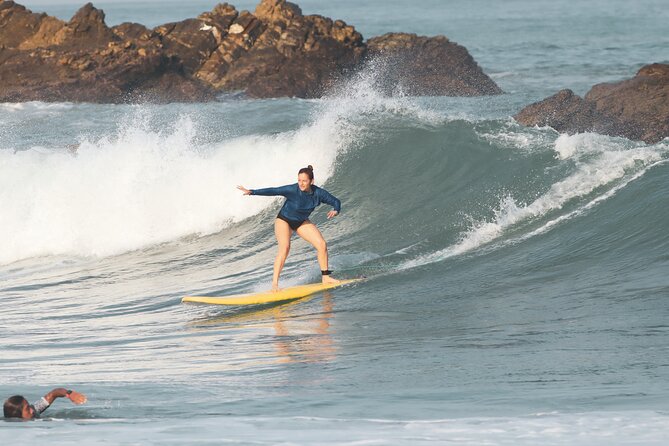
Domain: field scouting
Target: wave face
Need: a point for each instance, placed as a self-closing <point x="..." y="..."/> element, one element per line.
<point x="438" y="186"/>
<point x="139" y="186"/>
<point x="516" y="278"/>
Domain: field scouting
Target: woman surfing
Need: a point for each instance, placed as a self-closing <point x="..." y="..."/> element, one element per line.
<point x="301" y="200"/>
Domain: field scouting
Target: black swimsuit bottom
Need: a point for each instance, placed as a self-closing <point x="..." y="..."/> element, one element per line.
<point x="294" y="224"/>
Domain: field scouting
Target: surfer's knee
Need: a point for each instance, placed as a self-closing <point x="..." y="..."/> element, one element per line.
<point x="321" y="245"/>
<point x="283" y="250"/>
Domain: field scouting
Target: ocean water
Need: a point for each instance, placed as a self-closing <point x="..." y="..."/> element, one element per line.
<point x="517" y="289"/>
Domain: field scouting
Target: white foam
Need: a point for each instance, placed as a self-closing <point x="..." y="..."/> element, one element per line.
<point x="610" y="165"/>
<point x="642" y="427"/>
<point x="139" y="187"/>
<point x="502" y="74"/>
<point x="362" y="95"/>
<point x="584" y="144"/>
<point x="35" y="106"/>
<point x="524" y="139"/>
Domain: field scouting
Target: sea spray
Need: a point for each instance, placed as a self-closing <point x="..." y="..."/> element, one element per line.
<point x="158" y="177"/>
<point x="364" y="94"/>
<point x="139" y="186"/>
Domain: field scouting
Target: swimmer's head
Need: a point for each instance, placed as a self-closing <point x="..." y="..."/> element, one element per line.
<point x="18" y="407"/>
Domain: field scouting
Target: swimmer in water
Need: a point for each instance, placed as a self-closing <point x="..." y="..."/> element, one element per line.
<point x="18" y="407"/>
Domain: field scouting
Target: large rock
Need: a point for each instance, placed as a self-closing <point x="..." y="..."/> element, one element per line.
<point x="636" y="108"/>
<point x="274" y="51"/>
<point x="564" y="111"/>
<point x="429" y="66"/>
<point x="17" y="24"/>
<point x="42" y="58"/>
<point x="277" y="51"/>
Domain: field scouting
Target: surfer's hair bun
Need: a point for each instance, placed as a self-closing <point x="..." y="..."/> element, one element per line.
<point x="309" y="170"/>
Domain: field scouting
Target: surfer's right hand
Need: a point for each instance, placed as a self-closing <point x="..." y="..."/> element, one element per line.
<point x="245" y="190"/>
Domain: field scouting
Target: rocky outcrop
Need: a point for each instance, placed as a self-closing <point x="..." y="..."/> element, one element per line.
<point x="429" y="66"/>
<point x="274" y="51"/>
<point x="42" y="58"/>
<point x="636" y="108"/>
<point x="277" y="51"/>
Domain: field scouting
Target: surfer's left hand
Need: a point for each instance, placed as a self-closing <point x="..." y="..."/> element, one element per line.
<point x="331" y="214"/>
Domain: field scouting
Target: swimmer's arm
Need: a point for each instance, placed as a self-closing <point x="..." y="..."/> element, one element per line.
<point x="61" y="392"/>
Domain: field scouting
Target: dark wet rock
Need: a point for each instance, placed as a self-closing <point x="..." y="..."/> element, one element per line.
<point x="17" y="23"/>
<point x="274" y="51"/>
<point x="42" y="58"/>
<point x="277" y="51"/>
<point x="429" y="66"/>
<point x="564" y="111"/>
<point x="191" y="41"/>
<point x="86" y="30"/>
<point x="636" y="108"/>
<point x="133" y="31"/>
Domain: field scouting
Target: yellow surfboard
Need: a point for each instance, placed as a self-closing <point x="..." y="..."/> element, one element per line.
<point x="265" y="297"/>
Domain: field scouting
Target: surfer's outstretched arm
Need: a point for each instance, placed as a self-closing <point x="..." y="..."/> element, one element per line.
<point x="269" y="191"/>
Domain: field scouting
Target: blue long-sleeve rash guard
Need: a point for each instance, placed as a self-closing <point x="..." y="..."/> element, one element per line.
<point x="299" y="205"/>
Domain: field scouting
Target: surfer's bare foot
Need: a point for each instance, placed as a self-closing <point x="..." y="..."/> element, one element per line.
<point x="275" y="287"/>
<point x="330" y="279"/>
